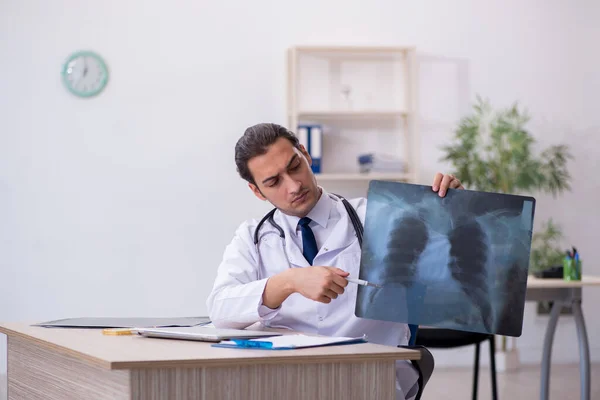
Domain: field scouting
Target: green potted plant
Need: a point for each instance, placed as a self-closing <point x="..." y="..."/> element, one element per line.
<point x="493" y="151"/>
<point x="545" y="248"/>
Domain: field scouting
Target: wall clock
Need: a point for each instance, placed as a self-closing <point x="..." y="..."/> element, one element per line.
<point x="85" y="74"/>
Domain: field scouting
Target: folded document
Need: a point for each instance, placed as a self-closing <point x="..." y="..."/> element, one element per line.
<point x="288" y="342"/>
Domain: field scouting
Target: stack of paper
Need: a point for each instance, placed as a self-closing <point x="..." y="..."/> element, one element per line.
<point x="288" y="342"/>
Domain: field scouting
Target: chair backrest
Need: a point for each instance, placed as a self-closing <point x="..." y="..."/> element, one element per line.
<point x="413" y="334"/>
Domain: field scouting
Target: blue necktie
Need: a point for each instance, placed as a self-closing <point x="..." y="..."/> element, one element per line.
<point x="309" y="243"/>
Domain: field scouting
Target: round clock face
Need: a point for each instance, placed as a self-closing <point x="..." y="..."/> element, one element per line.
<point x="85" y="74"/>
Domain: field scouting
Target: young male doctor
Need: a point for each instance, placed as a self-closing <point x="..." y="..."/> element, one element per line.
<point x="295" y="275"/>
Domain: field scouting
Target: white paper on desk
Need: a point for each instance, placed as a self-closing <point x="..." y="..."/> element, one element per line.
<point x="297" y="341"/>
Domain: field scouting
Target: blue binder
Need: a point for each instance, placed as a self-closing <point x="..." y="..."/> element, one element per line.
<point x="311" y="136"/>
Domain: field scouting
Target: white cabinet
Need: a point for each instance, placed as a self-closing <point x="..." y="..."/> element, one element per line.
<point x="365" y="99"/>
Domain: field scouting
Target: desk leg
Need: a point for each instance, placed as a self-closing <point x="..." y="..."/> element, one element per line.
<point x="584" y="351"/>
<point x="547" y="352"/>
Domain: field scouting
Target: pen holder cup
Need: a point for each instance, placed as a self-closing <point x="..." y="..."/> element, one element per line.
<point x="572" y="269"/>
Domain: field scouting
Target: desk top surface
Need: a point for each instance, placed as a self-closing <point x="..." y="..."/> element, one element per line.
<point x="537" y="283"/>
<point x="123" y="352"/>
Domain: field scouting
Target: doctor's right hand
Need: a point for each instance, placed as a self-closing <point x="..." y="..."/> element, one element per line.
<point x="321" y="284"/>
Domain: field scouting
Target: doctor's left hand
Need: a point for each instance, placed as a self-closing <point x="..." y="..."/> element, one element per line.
<point x="441" y="183"/>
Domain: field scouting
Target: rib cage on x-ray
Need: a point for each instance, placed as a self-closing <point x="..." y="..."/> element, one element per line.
<point x="459" y="262"/>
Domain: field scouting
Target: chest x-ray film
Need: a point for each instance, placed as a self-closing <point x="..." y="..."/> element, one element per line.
<point x="458" y="262"/>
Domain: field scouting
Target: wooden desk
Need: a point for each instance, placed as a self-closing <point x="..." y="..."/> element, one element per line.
<point x="562" y="292"/>
<point x="53" y="363"/>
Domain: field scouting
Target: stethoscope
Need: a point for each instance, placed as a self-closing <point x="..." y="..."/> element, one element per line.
<point x="358" y="228"/>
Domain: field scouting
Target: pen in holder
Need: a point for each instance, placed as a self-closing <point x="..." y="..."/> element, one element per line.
<point x="572" y="266"/>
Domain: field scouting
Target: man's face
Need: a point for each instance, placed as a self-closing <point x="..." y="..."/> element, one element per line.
<point x="284" y="178"/>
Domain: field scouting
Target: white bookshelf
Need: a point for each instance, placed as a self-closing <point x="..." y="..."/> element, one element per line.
<point x="364" y="97"/>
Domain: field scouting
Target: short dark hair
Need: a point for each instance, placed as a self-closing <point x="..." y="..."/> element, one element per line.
<point x="256" y="141"/>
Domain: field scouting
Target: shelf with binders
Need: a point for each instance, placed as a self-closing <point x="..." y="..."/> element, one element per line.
<point x="364" y="153"/>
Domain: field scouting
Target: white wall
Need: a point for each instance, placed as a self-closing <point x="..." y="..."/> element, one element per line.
<point x="109" y="206"/>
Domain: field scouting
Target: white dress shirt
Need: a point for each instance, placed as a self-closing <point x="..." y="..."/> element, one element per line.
<point x="236" y="298"/>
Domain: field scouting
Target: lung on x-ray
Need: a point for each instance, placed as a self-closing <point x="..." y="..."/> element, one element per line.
<point x="458" y="262"/>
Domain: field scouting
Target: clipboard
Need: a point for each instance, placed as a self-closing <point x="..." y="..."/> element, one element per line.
<point x="289" y="342"/>
<point x="124" y="322"/>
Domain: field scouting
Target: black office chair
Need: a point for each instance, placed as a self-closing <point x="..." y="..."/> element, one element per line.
<point x="424" y="365"/>
<point x="447" y="338"/>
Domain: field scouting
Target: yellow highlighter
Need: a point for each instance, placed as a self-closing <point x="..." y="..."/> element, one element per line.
<point x="118" y="331"/>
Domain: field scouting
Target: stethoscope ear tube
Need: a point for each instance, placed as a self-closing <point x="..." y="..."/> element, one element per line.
<point x="358" y="228"/>
<point x="269" y="217"/>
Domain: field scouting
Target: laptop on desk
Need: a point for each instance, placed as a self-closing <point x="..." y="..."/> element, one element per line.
<point x="203" y="333"/>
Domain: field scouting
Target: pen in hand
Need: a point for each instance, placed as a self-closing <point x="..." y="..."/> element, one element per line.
<point x="363" y="283"/>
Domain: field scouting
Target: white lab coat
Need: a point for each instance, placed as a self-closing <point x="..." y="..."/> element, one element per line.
<point x="236" y="298"/>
